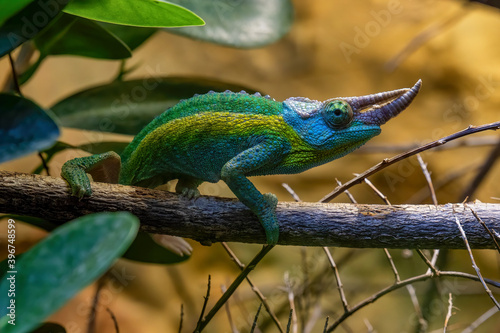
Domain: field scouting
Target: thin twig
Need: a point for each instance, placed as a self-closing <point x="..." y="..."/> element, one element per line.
<point x="292" y="320"/>
<point x="393" y="266"/>
<point x="423" y="324"/>
<point x="291" y="191"/>
<point x="91" y="327"/>
<point x="467" y="142"/>
<point x="377" y="191"/>
<point x="485" y="316"/>
<point x="486" y="228"/>
<point x="429" y="264"/>
<point x="340" y="287"/>
<point x="44" y="163"/>
<point x="255" y="289"/>
<point x="389" y="161"/>
<point x="422" y="194"/>
<point x="449" y="313"/>
<point x="262" y="253"/>
<point x="349" y="195"/>
<point x="113" y="318"/>
<point x="428" y="178"/>
<point x="490" y="161"/>
<point x="464" y="237"/>
<point x="326" y="324"/>
<point x="289" y="324"/>
<point x="304" y="300"/>
<point x="254" y="324"/>
<point x="205" y="301"/>
<point x="17" y="87"/>
<point x="228" y="312"/>
<point x="181" y="318"/>
<point x="369" y="327"/>
<point x="403" y="283"/>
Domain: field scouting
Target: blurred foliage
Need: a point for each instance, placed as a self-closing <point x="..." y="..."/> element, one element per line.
<point x="25" y="127"/>
<point x="59" y="266"/>
<point x="336" y="48"/>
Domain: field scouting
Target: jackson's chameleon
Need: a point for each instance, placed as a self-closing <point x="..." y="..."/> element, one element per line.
<point x="232" y="136"/>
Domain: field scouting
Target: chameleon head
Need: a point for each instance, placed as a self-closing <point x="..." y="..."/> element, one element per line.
<point x="340" y="125"/>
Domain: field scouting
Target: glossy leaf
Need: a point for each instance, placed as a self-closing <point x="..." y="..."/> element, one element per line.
<point x="132" y="36"/>
<point x="72" y="35"/>
<point x="145" y="249"/>
<point x="27" y="23"/>
<point x="59" y="266"/>
<point x="140" y="13"/>
<point x="25" y="127"/>
<point x="127" y="106"/>
<point x="242" y="24"/>
<point x="8" y="8"/>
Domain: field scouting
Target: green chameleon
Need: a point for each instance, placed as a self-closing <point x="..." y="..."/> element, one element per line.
<point x="232" y="136"/>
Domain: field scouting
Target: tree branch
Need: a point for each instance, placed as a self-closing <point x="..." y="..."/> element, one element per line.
<point x="212" y="219"/>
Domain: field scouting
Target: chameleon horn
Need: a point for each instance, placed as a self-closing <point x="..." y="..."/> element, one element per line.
<point x="381" y="114"/>
<point x="361" y="102"/>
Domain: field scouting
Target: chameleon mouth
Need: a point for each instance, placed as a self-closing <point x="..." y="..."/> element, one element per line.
<point x="384" y="106"/>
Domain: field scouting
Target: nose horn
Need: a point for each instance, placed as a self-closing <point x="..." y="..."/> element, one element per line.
<point x="382" y="114"/>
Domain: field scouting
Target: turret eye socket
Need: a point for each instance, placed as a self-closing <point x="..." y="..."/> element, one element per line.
<point x="337" y="114"/>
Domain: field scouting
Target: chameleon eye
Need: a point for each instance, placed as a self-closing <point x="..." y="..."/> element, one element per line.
<point x="338" y="114"/>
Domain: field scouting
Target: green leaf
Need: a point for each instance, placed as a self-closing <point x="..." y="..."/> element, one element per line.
<point x="132" y="36"/>
<point x="27" y="23"/>
<point x="25" y="127"/>
<point x="59" y="266"/>
<point x="241" y="24"/>
<point x="72" y="35"/>
<point x="145" y="249"/>
<point x="140" y="13"/>
<point x="8" y="8"/>
<point x="127" y="106"/>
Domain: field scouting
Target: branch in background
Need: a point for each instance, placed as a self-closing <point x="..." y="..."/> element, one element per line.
<point x="388" y="161"/>
<point x="467" y="142"/>
<point x="211" y="219"/>
<point x="483" y="172"/>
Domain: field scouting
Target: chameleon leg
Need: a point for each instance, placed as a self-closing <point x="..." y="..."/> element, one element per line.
<point x="264" y="206"/>
<point x="188" y="187"/>
<point x="103" y="167"/>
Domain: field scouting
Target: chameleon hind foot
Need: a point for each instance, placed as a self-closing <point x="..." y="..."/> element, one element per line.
<point x="103" y="167"/>
<point x="188" y="187"/>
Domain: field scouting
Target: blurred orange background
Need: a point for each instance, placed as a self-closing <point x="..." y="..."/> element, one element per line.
<point x="335" y="48"/>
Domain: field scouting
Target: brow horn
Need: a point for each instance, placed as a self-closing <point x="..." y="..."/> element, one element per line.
<point x="379" y="115"/>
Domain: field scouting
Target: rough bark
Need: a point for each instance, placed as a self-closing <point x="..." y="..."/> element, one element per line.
<point x="212" y="219"/>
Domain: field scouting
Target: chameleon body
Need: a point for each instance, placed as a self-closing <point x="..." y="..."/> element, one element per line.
<point x="232" y="136"/>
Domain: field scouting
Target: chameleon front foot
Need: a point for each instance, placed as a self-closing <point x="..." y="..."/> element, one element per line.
<point x="268" y="218"/>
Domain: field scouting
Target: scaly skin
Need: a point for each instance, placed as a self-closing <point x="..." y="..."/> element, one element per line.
<point x="232" y="136"/>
